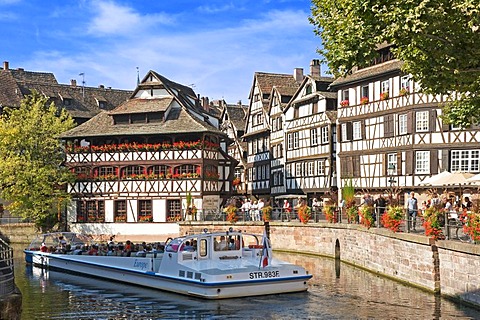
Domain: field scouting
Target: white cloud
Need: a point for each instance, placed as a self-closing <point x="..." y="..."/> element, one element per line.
<point x="211" y="9"/>
<point x="114" y="19"/>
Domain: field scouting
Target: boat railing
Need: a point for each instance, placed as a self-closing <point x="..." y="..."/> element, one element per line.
<point x="7" y="277"/>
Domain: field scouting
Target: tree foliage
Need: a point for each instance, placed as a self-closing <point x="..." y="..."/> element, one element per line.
<point x="31" y="175"/>
<point x="438" y="41"/>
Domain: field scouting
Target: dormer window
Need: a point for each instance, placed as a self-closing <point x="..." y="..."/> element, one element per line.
<point x="102" y="105"/>
<point x="308" y="89"/>
<point x="67" y="102"/>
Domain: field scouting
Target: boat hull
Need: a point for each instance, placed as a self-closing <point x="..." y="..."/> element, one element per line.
<point x="140" y="271"/>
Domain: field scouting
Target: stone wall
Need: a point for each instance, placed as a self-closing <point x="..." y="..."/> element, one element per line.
<point x="460" y="270"/>
<point x="18" y="232"/>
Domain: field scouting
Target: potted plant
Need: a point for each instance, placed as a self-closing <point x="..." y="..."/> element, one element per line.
<point x="472" y="225"/>
<point x="384" y="95"/>
<point x="363" y="100"/>
<point x="404" y="91"/>
<point x="231" y="213"/>
<point x="330" y="213"/>
<point x="348" y="195"/>
<point x="366" y="215"/>
<point x="392" y="218"/>
<point x="433" y="220"/>
<point x="267" y="213"/>
<point x="344" y="103"/>
<point x="304" y="213"/>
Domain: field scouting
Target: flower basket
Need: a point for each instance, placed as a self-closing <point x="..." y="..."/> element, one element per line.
<point x="363" y="100"/>
<point x="236" y="182"/>
<point x="231" y="213"/>
<point x="344" y="103"/>
<point x="352" y="214"/>
<point x="145" y="218"/>
<point x="404" y="91"/>
<point x="366" y="213"/>
<point x="392" y="218"/>
<point x="472" y="226"/>
<point x="304" y="213"/>
<point x="384" y="95"/>
<point x="121" y="219"/>
<point x="267" y="213"/>
<point x="329" y="212"/>
<point x="433" y="218"/>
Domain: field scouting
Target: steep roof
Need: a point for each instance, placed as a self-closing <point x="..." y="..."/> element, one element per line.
<point x="178" y="121"/>
<point x="370" y="72"/>
<point x="182" y="115"/>
<point x="236" y="114"/>
<point x="266" y="81"/>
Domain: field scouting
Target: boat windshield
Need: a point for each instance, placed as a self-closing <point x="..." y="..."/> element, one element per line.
<point x="173" y="245"/>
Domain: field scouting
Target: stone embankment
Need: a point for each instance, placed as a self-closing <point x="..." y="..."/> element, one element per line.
<point x="447" y="267"/>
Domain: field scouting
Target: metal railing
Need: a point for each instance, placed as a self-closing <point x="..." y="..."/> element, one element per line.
<point x="7" y="277"/>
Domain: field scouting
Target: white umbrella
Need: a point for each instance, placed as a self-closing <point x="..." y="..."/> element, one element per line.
<point x="447" y="178"/>
<point x="475" y="179"/>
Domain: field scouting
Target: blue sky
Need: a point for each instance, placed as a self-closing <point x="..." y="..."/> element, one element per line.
<point x="215" y="46"/>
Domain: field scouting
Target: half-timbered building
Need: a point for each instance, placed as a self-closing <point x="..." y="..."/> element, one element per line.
<point x="232" y="123"/>
<point x="145" y="160"/>
<point x="390" y="133"/>
<point x="310" y="131"/>
<point x="257" y="129"/>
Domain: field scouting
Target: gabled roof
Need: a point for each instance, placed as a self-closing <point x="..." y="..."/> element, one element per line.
<point x="236" y="114"/>
<point x="369" y="72"/>
<point x="183" y="116"/>
<point x="21" y="75"/>
<point x="10" y="92"/>
<point x="266" y="81"/>
<point x="320" y="82"/>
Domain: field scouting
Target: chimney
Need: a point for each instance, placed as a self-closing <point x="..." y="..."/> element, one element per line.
<point x="298" y="74"/>
<point x="315" y="70"/>
<point x="5" y="65"/>
<point x="73" y="83"/>
<point x="101" y="86"/>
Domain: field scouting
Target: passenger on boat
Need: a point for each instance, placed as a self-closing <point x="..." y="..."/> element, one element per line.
<point x="187" y="247"/>
<point x="93" y="250"/>
<point x="222" y="245"/>
<point x="43" y="248"/>
<point x="78" y="250"/>
<point x="231" y="244"/>
<point x="128" y="249"/>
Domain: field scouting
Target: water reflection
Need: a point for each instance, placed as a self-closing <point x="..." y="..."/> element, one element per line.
<point x="336" y="291"/>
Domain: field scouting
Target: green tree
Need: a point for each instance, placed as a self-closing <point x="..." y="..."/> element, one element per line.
<point x="31" y="176"/>
<point x="438" y="41"/>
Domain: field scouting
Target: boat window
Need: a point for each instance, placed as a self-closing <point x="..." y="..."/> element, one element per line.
<point x="203" y="248"/>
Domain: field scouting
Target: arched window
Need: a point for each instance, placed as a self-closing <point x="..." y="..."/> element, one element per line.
<point x="158" y="170"/>
<point x="308" y="89"/>
<point x="132" y="171"/>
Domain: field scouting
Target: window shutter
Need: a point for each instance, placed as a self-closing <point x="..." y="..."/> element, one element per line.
<point x="339" y="133"/>
<point x="399" y="163"/>
<point x="433" y="161"/>
<point x="387" y="125"/>
<point x="356" y="167"/>
<point x="410" y="122"/>
<point x="445" y="159"/>
<point x="364" y="130"/>
<point x="409" y="162"/>
<point x="349" y="131"/>
<point x="385" y="165"/>
<point x="433" y="120"/>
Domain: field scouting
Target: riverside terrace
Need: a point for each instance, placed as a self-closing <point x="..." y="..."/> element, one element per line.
<point x="453" y="230"/>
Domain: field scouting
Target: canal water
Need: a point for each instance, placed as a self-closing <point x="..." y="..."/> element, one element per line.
<point x="336" y="291"/>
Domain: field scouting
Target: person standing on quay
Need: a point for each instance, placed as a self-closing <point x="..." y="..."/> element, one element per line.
<point x="412" y="207"/>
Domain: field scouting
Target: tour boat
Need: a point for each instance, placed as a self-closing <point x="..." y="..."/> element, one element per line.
<point x="213" y="265"/>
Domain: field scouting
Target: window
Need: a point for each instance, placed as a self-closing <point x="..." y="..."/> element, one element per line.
<point x="324" y="134"/>
<point x="344" y="132"/>
<point x="145" y="210"/>
<point x="321" y="167"/>
<point x="385" y="86"/>
<point x="120" y="211"/>
<point x="174" y="209"/>
<point x="132" y="171"/>
<point x="364" y="93"/>
<point x="402" y="124"/>
<point x="295" y="140"/>
<point x="186" y="169"/>
<point x="308" y="89"/>
<point x="465" y="160"/>
<point x="107" y="172"/>
<point x="311" y="168"/>
<point x="422" y="162"/>
<point x="345" y="95"/>
<point x="90" y="211"/>
<point x="298" y="169"/>
<point x="161" y="170"/>
<point x="314" y="136"/>
<point x="67" y="102"/>
<point x="421" y="121"/>
<point x="259" y="117"/>
<point x="391" y="164"/>
<point x="357" y="130"/>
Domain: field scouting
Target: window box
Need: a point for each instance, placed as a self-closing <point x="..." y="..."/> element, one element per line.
<point x="384" y="95"/>
<point x="404" y="91"/>
<point x="345" y="103"/>
<point x="363" y="100"/>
